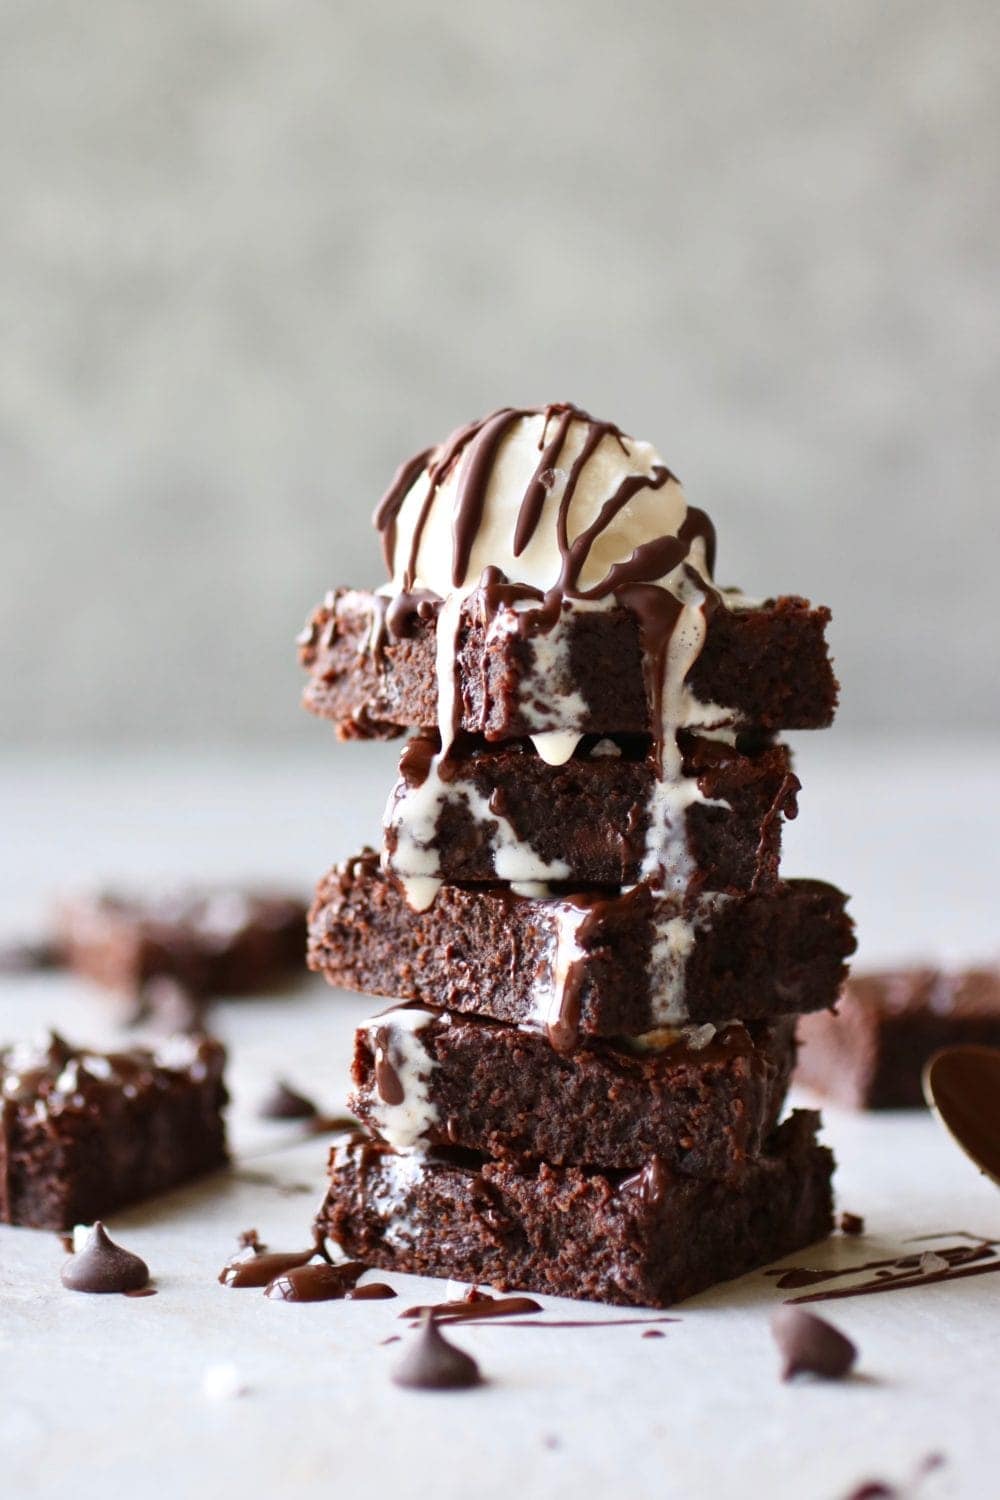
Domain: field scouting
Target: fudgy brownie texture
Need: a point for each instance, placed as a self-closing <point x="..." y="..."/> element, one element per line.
<point x="769" y="663"/>
<point x="488" y="951"/>
<point x="83" y="1133"/>
<point x="703" y="1109"/>
<point x="650" y="1239"/>
<point x="212" y="942"/>
<point x="592" y="813"/>
<point x="870" y="1052"/>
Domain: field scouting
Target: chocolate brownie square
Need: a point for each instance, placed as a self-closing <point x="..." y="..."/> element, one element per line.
<point x="766" y="663"/>
<point x="703" y="1101"/>
<point x="650" y="1238"/>
<point x="502" y="813"/>
<point x="590" y="965"/>
<point x="83" y="1133"/>
<point x="220" y="941"/>
<point x="870" y="1052"/>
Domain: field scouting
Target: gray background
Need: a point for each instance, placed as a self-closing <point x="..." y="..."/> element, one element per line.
<point x="252" y="253"/>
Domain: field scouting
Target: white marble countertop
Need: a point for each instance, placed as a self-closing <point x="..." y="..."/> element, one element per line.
<point x="103" y="1396"/>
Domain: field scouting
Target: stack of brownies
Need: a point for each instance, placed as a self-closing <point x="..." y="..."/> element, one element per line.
<point x="577" y="908"/>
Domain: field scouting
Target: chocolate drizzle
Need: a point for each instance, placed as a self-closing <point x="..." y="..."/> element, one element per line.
<point x="387" y="511"/>
<point x="387" y="1080"/>
<point x="950" y="1263"/>
<point x="468" y="1309"/>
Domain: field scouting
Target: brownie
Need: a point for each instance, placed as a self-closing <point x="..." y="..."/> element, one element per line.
<point x="651" y="1238"/>
<point x="83" y="1133"/>
<point x="766" y="664"/>
<point x="211" y="942"/>
<point x="603" y="965"/>
<point x="592" y="814"/>
<point x="703" y="1101"/>
<point x="870" y="1053"/>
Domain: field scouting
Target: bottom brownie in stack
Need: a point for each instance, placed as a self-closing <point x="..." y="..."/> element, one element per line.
<point x="638" y="1171"/>
<point x="649" y="1237"/>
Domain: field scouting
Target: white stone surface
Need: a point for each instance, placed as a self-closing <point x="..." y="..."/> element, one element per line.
<point x="105" y="1396"/>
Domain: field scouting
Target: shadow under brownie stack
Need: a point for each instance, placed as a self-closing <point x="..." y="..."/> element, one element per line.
<point x="577" y="910"/>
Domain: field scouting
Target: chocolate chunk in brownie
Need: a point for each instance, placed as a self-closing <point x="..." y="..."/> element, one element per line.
<point x="870" y="1052"/>
<point x="83" y="1133"/>
<point x="598" y="965"/>
<point x="766" y="665"/>
<point x="650" y="1238"/>
<point x="704" y="1101"/>
<point x="502" y="812"/>
<point x="210" y="942"/>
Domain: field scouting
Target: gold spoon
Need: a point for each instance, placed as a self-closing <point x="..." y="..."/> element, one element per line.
<point x="962" y="1087"/>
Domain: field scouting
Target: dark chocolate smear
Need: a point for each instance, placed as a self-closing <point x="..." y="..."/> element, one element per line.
<point x="430" y="1363"/>
<point x="811" y="1345"/>
<point x="250" y="1267"/>
<point x="103" y="1266"/>
<point x="391" y="503"/>
<point x="372" y="1291"/>
<point x="651" y="1182"/>
<point x="387" y="1080"/>
<point x="949" y="1263"/>
<point x="285" y="1103"/>
<point x="316" y="1282"/>
<point x="479" y="1307"/>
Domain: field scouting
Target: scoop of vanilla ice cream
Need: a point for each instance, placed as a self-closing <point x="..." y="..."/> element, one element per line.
<point x="647" y="515"/>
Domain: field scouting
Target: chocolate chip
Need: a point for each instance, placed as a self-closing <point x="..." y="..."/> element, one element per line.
<point x="430" y="1363"/>
<point x="103" y="1266"/>
<point x="285" y="1103"/>
<point x="811" y="1345"/>
<point x="852" y="1224"/>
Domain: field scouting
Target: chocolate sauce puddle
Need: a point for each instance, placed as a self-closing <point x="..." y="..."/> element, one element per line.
<point x="250" y="1267"/>
<point x="317" y="1281"/>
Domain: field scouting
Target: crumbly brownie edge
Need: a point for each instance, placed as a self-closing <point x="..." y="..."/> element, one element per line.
<point x="704" y="1105"/>
<point x="590" y="817"/>
<point x="619" y="967"/>
<point x="768" y="664"/>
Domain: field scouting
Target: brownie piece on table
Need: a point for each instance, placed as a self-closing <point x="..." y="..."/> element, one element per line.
<point x="83" y="1133"/>
<point x="614" y="965"/>
<point x="870" y="1052"/>
<point x="766" y="664"/>
<point x="650" y="1238"/>
<point x="209" y="941"/>
<point x="591" y="815"/>
<point x="703" y="1101"/>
